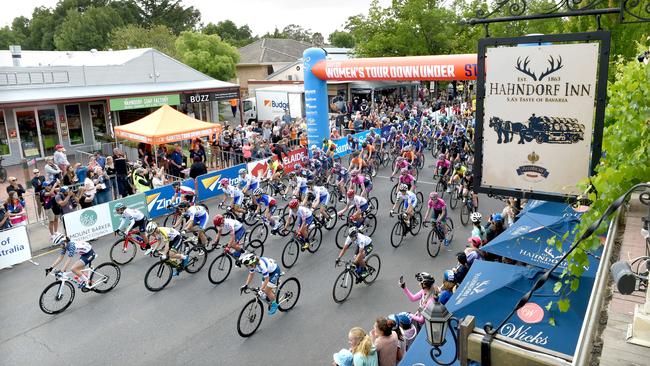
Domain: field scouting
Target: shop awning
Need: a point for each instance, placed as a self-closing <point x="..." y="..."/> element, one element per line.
<point x="166" y="125"/>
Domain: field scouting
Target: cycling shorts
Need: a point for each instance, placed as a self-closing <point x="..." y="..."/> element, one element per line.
<point x="324" y="199"/>
<point x="367" y="249"/>
<point x="274" y="277"/>
<point x="201" y="221"/>
<point x="302" y="190"/>
<point x="237" y="200"/>
<point x="437" y="213"/>
<point x="272" y="208"/>
<point x="364" y="207"/>
<point x="253" y="186"/>
<point x="88" y="257"/>
<point x="141" y="224"/>
<point x="176" y="243"/>
<point x="308" y="221"/>
<point x="239" y="234"/>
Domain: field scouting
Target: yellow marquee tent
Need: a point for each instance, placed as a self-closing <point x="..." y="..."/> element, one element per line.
<point x="164" y="126"/>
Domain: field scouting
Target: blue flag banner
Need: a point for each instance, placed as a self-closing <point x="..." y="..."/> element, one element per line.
<point x="208" y="185"/>
<point x="159" y="198"/>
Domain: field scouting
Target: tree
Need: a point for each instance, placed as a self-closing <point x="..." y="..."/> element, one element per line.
<point x="208" y="54"/>
<point x="229" y="32"/>
<point x="341" y="39"/>
<point x="41" y="30"/>
<point x="317" y="39"/>
<point x="296" y="32"/>
<point x="169" y="13"/>
<point x="135" y="36"/>
<point x="88" y="30"/>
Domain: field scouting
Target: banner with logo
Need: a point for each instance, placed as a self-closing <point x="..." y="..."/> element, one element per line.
<point x="342" y="146"/>
<point x="208" y="185"/>
<point x="258" y="168"/>
<point x="159" y="198"/>
<point x="89" y="223"/>
<point x="293" y="157"/>
<point x="14" y="246"/>
<point x="136" y="201"/>
<point x="539" y="113"/>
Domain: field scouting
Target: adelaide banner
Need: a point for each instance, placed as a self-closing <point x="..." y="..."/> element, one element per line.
<point x="538" y="118"/>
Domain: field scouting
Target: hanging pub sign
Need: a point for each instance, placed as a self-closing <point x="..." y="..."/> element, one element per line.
<point x="540" y="113"/>
<point x="211" y="96"/>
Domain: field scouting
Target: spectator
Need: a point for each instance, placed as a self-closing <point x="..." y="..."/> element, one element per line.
<point x="342" y="358"/>
<point x="92" y="163"/>
<point x="142" y="152"/>
<point x="267" y="130"/>
<point x="103" y="186"/>
<point x="364" y="353"/>
<point x="495" y="227"/>
<point x="215" y="150"/>
<point x="101" y="159"/>
<point x="427" y="294"/>
<point x="5" y="220"/>
<point x="197" y="150"/>
<point x="52" y="210"/>
<point x="60" y="158"/>
<point x="406" y="328"/>
<point x="473" y="252"/>
<point x="386" y="342"/>
<point x="246" y="151"/>
<point x="121" y="173"/>
<point x="52" y="172"/>
<point x="158" y="179"/>
<point x="66" y="200"/>
<point x="176" y="159"/>
<point x="233" y="107"/>
<point x="14" y="186"/>
<point x="70" y="178"/>
<point x="80" y="171"/>
<point x="461" y="269"/>
<point x="198" y="168"/>
<point x="508" y="213"/>
<point x="140" y="180"/>
<point x="37" y="183"/>
<point x="448" y="286"/>
<point x="89" y="191"/>
<point x="109" y="168"/>
<point x="17" y="214"/>
<point x="286" y="118"/>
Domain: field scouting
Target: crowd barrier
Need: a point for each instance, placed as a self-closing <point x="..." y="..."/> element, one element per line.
<point x="14" y="246"/>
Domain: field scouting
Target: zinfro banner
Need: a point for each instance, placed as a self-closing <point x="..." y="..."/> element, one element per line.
<point x="159" y="198"/>
<point x="209" y="186"/>
<point x="14" y="246"/>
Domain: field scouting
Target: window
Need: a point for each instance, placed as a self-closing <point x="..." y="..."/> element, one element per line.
<point x="73" y="116"/>
<point x="4" y="141"/>
<point x="98" y="119"/>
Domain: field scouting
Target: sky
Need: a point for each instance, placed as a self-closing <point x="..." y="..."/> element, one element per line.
<point x="261" y="15"/>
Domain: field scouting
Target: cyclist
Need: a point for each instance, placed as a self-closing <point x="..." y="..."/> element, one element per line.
<point x="408" y="154"/>
<point x="363" y="248"/>
<point x="275" y="170"/>
<point x="267" y="204"/>
<point x="86" y="256"/>
<point x="361" y="205"/>
<point x="409" y="199"/>
<point x="304" y="218"/>
<point x="357" y="162"/>
<point x="467" y="182"/>
<point x="459" y="171"/>
<point x="301" y="185"/>
<point x="237" y="232"/>
<point x="368" y="151"/>
<point x="184" y="193"/>
<point x="249" y="182"/>
<point x="197" y="220"/>
<point x="364" y="182"/>
<point x="133" y="217"/>
<point x="406" y="178"/>
<point x="438" y="210"/>
<point x="343" y="178"/>
<point x="400" y="163"/>
<point x="321" y="199"/>
<point x="171" y="239"/>
<point x="230" y="191"/>
<point x="270" y="272"/>
<point x="477" y="230"/>
<point x="442" y="165"/>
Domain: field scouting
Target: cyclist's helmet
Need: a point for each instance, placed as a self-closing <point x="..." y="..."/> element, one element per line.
<point x="292" y="174"/>
<point x="476" y="217"/>
<point x="248" y="259"/>
<point x="176" y="184"/>
<point x="297" y="166"/>
<point x="364" y="145"/>
<point x="58" y="239"/>
<point x="441" y="156"/>
<point x="293" y="204"/>
<point x="434" y="195"/>
<point x="352" y="232"/>
<point x="313" y="147"/>
<point x="184" y="205"/>
<point x="218" y="220"/>
<point x="337" y="166"/>
<point x="474" y="241"/>
<point x="151" y="227"/>
<point x="403" y="187"/>
<point x="243" y="171"/>
<point x="258" y="192"/>
<point x="425" y="279"/>
<point x="449" y="275"/>
<point x="325" y="141"/>
<point x="468" y="173"/>
<point x="457" y="166"/>
<point x="354" y="173"/>
<point x="404" y="171"/>
<point x="350" y="193"/>
<point x="119" y="206"/>
<point x="225" y="182"/>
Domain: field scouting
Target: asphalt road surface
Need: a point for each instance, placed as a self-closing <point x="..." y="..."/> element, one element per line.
<point x="193" y="322"/>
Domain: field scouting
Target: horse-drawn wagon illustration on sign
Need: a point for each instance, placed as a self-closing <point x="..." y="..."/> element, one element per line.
<point x="553" y="130"/>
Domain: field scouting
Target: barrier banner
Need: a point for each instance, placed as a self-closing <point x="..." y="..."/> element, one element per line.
<point x="342" y="147"/>
<point x="159" y="198"/>
<point x="14" y="246"/>
<point x="89" y="223"/>
<point x="258" y="168"/>
<point x="208" y="185"/>
<point x="136" y="201"/>
<point x="293" y="157"/>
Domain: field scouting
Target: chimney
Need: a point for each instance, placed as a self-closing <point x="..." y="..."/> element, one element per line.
<point x="15" y="54"/>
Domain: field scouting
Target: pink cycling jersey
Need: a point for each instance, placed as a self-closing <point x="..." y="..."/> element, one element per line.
<point x="403" y="164"/>
<point x="443" y="164"/>
<point x="359" y="179"/>
<point x="406" y="178"/>
<point x="438" y="204"/>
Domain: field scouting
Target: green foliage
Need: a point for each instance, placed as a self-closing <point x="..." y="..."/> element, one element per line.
<point x="341" y="39"/>
<point x="41" y="30"/>
<point x="134" y="36"/>
<point x="87" y="30"/>
<point x="229" y="32"/>
<point x="208" y="54"/>
<point x="169" y="13"/>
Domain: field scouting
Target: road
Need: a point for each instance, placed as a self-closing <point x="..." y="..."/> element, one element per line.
<point x="193" y="322"/>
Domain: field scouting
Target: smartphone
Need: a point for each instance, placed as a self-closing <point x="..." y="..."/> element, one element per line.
<point x="401" y="279"/>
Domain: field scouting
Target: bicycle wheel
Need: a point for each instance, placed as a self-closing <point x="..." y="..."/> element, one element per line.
<point x="450" y="230"/>
<point x="433" y="244"/>
<point x="158" y="276"/>
<point x="198" y="257"/>
<point x="374" y="203"/>
<point x="331" y="223"/>
<point x="373" y="265"/>
<point x="60" y="294"/>
<point x="464" y="214"/>
<point x="453" y="200"/>
<point x="341" y="236"/>
<point x="416" y="223"/>
<point x="288" y="294"/>
<point x="440" y="187"/>
<point x="170" y="219"/>
<point x="371" y="224"/>
<point x="211" y="235"/>
<point x="108" y="274"/>
<point x="420" y="204"/>
<point x="255" y="246"/>
<point x="123" y="251"/>
<point x="315" y="237"/>
<point x="259" y="232"/>
<point x="393" y="193"/>
<point x="396" y="235"/>
<point x="290" y="253"/>
<point x="250" y="318"/>
<point x="342" y="286"/>
<point x="250" y="218"/>
<point x="220" y="268"/>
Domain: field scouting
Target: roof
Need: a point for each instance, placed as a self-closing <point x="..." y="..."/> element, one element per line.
<point x="270" y="50"/>
<point x="334" y="54"/>
<point x="99" y="91"/>
<point x="72" y="58"/>
<point x="283" y="88"/>
<point x="166" y="125"/>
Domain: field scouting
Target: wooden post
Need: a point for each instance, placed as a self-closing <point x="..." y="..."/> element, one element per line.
<point x="464" y="330"/>
<point x="507" y="351"/>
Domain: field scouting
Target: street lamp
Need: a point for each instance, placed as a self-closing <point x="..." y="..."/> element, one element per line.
<point x="437" y="320"/>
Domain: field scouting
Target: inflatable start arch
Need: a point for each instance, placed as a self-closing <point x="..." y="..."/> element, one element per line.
<point x="318" y="70"/>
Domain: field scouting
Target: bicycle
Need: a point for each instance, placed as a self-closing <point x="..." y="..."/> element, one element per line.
<point x="102" y="279"/>
<point x="344" y="280"/>
<point x="221" y="266"/>
<point x="276" y="189"/>
<point x="467" y="209"/>
<point x="327" y="223"/>
<point x="400" y="229"/>
<point x="124" y="249"/>
<point x="173" y="217"/>
<point x="437" y="236"/>
<point x="294" y="246"/>
<point x="162" y="271"/>
<point x="251" y="315"/>
<point x="368" y="227"/>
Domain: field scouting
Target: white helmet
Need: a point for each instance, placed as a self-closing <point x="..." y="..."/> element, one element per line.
<point x="475" y="217"/>
<point x="151" y="227"/>
<point x="248" y="259"/>
<point x="58" y="238"/>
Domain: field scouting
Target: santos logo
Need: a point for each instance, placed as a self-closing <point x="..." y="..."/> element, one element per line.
<point x="274" y="104"/>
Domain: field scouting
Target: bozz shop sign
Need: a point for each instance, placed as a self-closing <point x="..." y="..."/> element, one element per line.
<point x="158" y="199"/>
<point x="209" y="185"/>
<point x="293" y="157"/>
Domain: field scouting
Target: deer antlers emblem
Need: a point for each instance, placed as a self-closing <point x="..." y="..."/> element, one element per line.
<point x="554" y="65"/>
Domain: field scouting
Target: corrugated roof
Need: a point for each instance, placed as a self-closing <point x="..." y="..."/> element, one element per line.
<point x="89" y="92"/>
<point x="72" y="58"/>
<point x="268" y="50"/>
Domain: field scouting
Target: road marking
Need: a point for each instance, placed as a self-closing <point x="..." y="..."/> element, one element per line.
<point x="418" y="182"/>
<point x="46" y="253"/>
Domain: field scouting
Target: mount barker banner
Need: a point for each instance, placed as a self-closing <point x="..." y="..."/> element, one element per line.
<point x="539" y="117"/>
